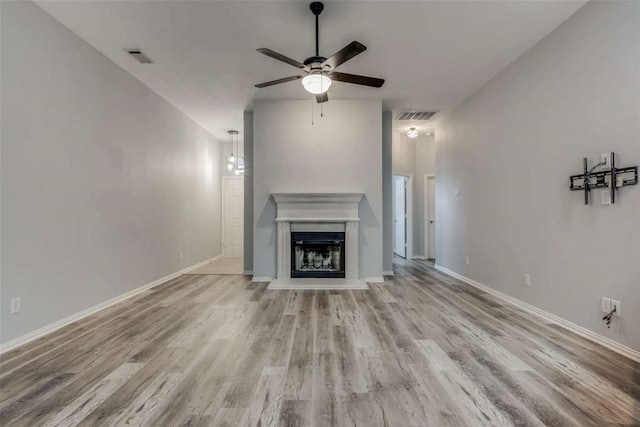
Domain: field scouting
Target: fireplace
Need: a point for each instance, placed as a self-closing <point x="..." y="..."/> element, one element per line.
<point x="317" y="237"/>
<point x="317" y="254"/>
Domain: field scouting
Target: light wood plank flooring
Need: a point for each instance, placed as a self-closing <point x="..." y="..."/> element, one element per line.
<point x="420" y="350"/>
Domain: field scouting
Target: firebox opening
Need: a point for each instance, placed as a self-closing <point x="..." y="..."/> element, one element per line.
<point x="317" y="254"/>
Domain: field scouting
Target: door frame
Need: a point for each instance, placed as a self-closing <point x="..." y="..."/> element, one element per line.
<point x="222" y="212"/>
<point x="427" y="177"/>
<point x="409" y="213"/>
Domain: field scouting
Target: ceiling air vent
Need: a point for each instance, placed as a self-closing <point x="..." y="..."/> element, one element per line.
<point x="416" y="115"/>
<point x="141" y="57"/>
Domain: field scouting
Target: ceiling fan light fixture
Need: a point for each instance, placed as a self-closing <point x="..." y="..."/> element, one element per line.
<point x="412" y="133"/>
<point x="316" y="83"/>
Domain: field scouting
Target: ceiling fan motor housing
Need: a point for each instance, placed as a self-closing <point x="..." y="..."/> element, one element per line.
<point x="315" y="63"/>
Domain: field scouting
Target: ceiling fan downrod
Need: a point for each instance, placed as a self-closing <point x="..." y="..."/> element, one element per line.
<point x="317" y="8"/>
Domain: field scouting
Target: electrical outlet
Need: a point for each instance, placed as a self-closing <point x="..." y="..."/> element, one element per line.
<point x="605" y="197"/>
<point x="605" y="305"/>
<point x="605" y="159"/>
<point x="468" y="261"/>
<point x="15" y="305"/>
<point x="527" y="280"/>
<point x="616" y="304"/>
<point x="181" y="255"/>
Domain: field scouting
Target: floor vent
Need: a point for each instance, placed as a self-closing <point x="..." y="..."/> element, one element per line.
<point x="416" y="115"/>
<point x="140" y="56"/>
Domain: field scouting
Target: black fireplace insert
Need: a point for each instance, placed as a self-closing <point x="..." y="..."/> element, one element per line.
<point x="317" y="254"/>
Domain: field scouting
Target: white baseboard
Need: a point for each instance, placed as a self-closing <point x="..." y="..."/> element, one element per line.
<point x="24" y="339"/>
<point x="247" y="273"/>
<point x="388" y="273"/>
<point x="196" y="266"/>
<point x="261" y="279"/>
<point x="577" y="329"/>
<point x="379" y="279"/>
<point x="419" y="257"/>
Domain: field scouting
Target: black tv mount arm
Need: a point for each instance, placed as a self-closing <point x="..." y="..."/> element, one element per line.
<point x="612" y="178"/>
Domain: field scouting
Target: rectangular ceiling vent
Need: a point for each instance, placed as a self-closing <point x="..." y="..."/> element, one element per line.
<point x="139" y="55"/>
<point x="416" y="115"/>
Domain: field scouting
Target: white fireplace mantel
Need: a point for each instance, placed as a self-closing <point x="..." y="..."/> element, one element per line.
<point x="330" y="207"/>
<point x="318" y="208"/>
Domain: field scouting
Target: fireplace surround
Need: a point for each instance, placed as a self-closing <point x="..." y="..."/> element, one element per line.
<point x="311" y="214"/>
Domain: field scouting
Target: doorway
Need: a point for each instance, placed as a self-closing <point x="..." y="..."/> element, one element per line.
<point x="401" y="216"/>
<point x="233" y="216"/>
<point x="430" y="216"/>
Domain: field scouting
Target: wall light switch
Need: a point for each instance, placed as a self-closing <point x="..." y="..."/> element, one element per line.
<point x="605" y="305"/>
<point x="527" y="280"/>
<point x="468" y="261"/>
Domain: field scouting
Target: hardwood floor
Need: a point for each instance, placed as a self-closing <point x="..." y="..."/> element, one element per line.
<point x="420" y="350"/>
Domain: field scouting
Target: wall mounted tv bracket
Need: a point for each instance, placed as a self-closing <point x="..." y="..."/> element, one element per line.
<point x="612" y="178"/>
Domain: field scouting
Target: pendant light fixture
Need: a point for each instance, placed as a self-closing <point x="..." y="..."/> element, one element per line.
<point x="235" y="162"/>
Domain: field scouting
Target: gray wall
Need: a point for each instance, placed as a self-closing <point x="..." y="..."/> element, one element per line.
<point x="248" y="192"/>
<point x="341" y="152"/>
<point x="103" y="182"/>
<point x="404" y="155"/>
<point x="387" y="195"/>
<point x="511" y="147"/>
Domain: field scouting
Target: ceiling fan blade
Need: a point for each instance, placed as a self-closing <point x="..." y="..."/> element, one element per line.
<point x="279" y="57"/>
<point x="346" y="53"/>
<point x="277" y="82"/>
<point x="323" y="97"/>
<point x="355" y="79"/>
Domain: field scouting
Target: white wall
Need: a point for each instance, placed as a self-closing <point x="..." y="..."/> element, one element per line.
<point x="103" y="182"/>
<point x="341" y="152"/>
<point x="416" y="158"/>
<point x="511" y="147"/>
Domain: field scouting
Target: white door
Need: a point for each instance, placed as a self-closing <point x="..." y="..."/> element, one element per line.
<point x="400" y="216"/>
<point x="431" y="217"/>
<point x="233" y="216"/>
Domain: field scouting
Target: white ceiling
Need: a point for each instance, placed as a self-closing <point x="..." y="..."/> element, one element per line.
<point x="432" y="54"/>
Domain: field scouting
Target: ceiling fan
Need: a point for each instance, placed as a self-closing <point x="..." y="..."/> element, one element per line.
<point x="320" y="71"/>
